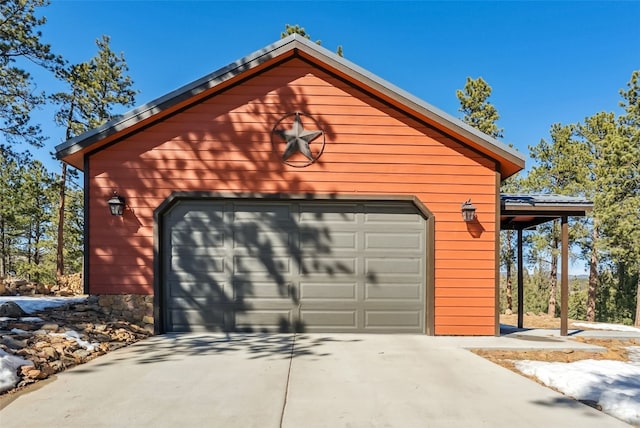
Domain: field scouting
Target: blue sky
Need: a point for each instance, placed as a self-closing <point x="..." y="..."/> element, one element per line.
<point x="546" y="61"/>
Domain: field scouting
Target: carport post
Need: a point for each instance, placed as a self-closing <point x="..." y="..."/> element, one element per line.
<point x="564" y="280"/>
<point x="520" y="282"/>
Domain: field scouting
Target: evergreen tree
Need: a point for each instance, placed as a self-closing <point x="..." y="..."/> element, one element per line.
<point x="595" y="133"/>
<point x="620" y="201"/>
<point x="10" y="176"/>
<point x="20" y="45"/>
<point x="560" y="169"/>
<point x="482" y="115"/>
<point x="35" y="210"/>
<point x="96" y="88"/>
<point x="478" y="111"/>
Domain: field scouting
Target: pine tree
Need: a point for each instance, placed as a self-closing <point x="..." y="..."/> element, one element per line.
<point x="482" y="115"/>
<point x="621" y="218"/>
<point x="595" y="133"/>
<point x="20" y="45"/>
<point x="561" y="168"/>
<point x="96" y="88"/>
<point x="478" y="111"/>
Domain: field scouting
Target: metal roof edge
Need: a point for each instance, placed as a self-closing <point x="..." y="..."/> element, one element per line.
<point x="177" y="95"/>
<point x="529" y="200"/>
<point x="416" y="103"/>
<point x="248" y="62"/>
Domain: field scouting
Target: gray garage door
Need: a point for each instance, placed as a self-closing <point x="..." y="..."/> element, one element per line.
<point x="294" y="266"/>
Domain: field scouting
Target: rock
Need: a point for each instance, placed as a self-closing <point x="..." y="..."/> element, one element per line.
<point x="81" y="355"/>
<point x="26" y="326"/>
<point x="36" y="374"/>
<point x="13" y="343"/>
<point x="50" y="327"/>
<point x="50" y="353"/>
<point x="100" y="327"/>
<point x="11" y="310"/>
<point x="47" y="369"/>
<point x="15" y="282"/>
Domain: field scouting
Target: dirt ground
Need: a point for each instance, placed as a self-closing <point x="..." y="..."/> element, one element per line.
<point x="615" y="348"/>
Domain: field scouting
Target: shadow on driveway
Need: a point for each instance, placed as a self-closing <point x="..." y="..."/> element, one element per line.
<point x="176" y="346"/>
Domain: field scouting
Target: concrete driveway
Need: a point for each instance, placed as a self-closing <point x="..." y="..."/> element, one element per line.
<point x="309" y="380"/>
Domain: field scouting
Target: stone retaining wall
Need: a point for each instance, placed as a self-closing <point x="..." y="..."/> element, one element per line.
<point x="134" y="308"/>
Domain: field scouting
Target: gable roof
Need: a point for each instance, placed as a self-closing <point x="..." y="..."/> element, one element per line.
<point x="72" y="151"/>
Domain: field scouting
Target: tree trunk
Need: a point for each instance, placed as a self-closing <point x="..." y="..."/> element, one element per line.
<point x="553" y="276"/>
<point x="509" y="263"/>
<point x="637" y="322"/>
<point x="3" y="252"/>
<point x="593" y="275"/>
<point x="60" y="252"/>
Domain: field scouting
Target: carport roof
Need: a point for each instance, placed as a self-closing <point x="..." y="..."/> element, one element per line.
<point x="508" y="160"/>
<point x="524" y="211"/>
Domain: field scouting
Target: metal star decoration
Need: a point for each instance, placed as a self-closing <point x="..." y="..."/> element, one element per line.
<point x="298" y="140"/>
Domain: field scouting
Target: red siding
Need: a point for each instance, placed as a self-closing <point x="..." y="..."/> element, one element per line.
<point x="223" y="144"/>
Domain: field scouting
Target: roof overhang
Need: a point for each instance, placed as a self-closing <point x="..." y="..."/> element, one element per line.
<point x="508" y="160"/>
<point x="522" y="211"/>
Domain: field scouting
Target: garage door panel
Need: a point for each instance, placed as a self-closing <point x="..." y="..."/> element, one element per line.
<point x="409" y="241"/>
<point x="197" y="238"/>
<point x="322" y="319"/>
<point x="274" y="320"/>
<point x="393" y="319"/>
<point x="216" y="291"/>
<point x="310" y="291"/>
<point x="391" y="214"/>
<point x="329" y="266"/>
<point x="261" y="213"/>
<point x="393" y="291"/>
<point x="293" y="266"/>
<point x="259" y="239"/>
<point x="262" y="265"/>
<point x="332" y="214"/>
<point x="244" y="290"/>
<point x="327" y="242"/>
<point x="199" y="263"/>
<point x="196" y="320"/>
<point x="394" y="267"/>
<point x="197" y="214"/>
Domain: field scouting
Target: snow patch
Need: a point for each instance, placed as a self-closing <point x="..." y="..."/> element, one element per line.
<point x="634" y="354"/>
<point x="605" y="326"/>
<point x="9" y="365"/>
<point x="35" y="304"/>
<point x="23" y="319"/>
<point x="614" y="385"/>
<point x="73" y="335"/>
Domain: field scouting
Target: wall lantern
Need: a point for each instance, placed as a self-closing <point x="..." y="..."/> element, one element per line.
<point x="468" y="211"/>
<point x="116" y="204"/>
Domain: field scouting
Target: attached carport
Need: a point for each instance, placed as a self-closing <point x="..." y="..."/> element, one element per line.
<point x="520" y="212"/>
<point x="282" y="264"/>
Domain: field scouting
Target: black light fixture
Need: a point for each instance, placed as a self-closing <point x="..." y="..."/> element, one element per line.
<point x="468" y="211"/>
<point x="116" y="204"/>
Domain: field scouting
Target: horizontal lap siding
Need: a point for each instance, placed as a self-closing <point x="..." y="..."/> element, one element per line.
<point x="224" y="145"/>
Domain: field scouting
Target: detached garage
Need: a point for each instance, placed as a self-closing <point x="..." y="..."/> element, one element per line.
<point x="293" y="191"/>
<point x="295" y="265"/>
